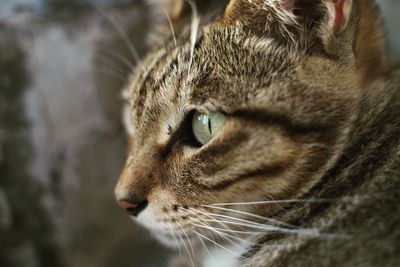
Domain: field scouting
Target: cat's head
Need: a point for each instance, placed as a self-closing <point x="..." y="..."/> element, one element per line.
<point x="252" y="106"/>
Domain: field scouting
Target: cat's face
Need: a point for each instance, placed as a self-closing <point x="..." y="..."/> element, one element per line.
<point x="246" y="119"/>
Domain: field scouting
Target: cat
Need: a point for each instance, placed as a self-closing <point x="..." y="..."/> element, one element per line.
<point x="267" y="133"/>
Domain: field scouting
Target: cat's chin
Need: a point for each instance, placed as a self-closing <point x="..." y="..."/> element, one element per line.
<point x="167" y="240"/>
<point x="172" y="240"/>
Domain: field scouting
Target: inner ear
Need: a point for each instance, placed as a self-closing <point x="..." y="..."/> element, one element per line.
<point x="339" y="13"/>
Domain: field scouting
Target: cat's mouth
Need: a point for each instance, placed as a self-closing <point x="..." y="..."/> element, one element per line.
<point x="172" y="231"/>
<point x="177" y="226"/>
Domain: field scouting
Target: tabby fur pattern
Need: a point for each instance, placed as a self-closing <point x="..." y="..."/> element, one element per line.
<point x="306" y="169"/>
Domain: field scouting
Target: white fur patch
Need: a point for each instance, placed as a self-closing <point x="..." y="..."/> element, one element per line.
<point x="224" y="257"/>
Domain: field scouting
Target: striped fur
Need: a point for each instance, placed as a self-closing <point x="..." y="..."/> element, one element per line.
<point x="305" y="123"/>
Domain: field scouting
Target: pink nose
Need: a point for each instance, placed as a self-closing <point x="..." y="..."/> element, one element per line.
<point x="133" y="208"/>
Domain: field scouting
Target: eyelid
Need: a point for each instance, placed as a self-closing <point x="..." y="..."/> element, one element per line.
<point x="208" y="108"/>
<point x="175" y="141"/>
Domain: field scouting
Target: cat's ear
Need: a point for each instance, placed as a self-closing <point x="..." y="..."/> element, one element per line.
<point x="345" y="29"/>
<point x="295" y="19"/>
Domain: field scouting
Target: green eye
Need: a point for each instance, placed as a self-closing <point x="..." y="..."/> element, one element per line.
<point x="206" y="126"/>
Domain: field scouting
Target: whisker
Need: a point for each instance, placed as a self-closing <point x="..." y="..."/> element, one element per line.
<point x="311" y="232"/>
<point x="121" y="58"/>
<point x="210" y="215"/>
<point x="299" y="232"/>
<point x="220" y="223"/>
<point x="234" y="231"/>
<point x="251" y="225"/>
<point x="274" y="202"/>
<point x="171" y="26"/>
<point x="121" y="32"/>
<point x="102" y="60"/>
<point x="205" y="247"/>
<point x="225" y="237"/>
<point x="177" y="241"/>
<point x="234" y="234"/>
<point x="219" y="245"/>
<point x="260" y="227"/>
<point x="269" y="228"/>
<point x="212" y="234"/>
<point x="187" y="237"/>
<point x="184" y="244"/>
<point x="250" y="215"/>
<point x="225" y="234"/>
<point x="207" y="226"/>
<point x="247" y="221"/>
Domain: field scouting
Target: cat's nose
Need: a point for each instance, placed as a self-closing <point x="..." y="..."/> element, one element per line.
<point x="132" y="207"/>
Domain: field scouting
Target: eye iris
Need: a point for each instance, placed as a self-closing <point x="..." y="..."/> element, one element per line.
<point x="206" y="126"/>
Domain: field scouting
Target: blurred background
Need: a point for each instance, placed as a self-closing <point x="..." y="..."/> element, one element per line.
<point x="63" y="64"/>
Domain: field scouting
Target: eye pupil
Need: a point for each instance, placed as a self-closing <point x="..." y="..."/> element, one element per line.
<point x="209" y="126"/>
<point x="206" y="126"/>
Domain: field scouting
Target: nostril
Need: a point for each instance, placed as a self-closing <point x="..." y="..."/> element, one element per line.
<point x="133" y="208"/>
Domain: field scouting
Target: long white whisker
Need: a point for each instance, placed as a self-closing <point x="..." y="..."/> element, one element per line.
<point x="234" y="235"/>
<point x="177" y="241"/>
<point x="207" y="226"/>
<point x="209" y="215"/>
<point x="247" y="221"/>
<point x="224" y="234"/>
<point x="188" y="239"/>
<point x="219" y="245"/>
<point x="233" y="231"/>
<point x="170" y="25"/>
<point x="274" y="202"/>
<point x="269" y="228"/>
<point x="263" y="229"/>
<point x="250" y="215"/>
<point x="251" y="225"/>
<point x="127" y="40"/>
<point x="195" y="214"/>
<point x="205" y="247"/>
<point x="121" y="32"/>
<point x="299" y="231"/>
<point x="118" y="57"/>
<point x="239" y="239"/>
<point x="105" y="60"/>
<point x="184" y="244"/>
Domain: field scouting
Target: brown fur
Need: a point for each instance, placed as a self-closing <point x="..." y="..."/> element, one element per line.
<point x="311" y="114"/>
